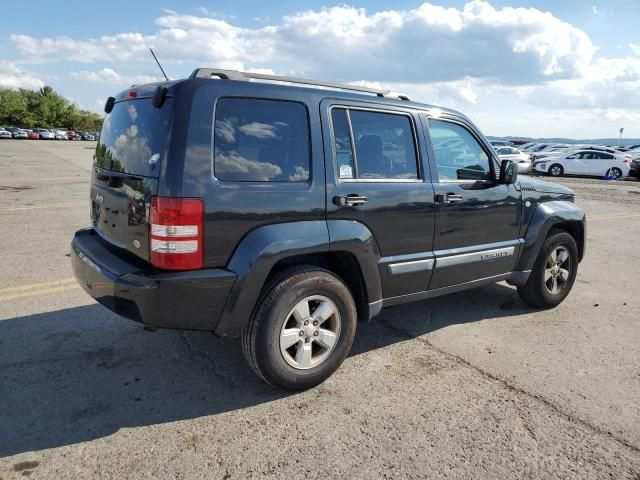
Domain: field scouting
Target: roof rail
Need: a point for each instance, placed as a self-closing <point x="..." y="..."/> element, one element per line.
<point x="246" y="76"/>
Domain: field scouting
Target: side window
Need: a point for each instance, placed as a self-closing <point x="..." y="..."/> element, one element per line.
<point x="503" y="151"/>
<point x="261" y="141"/>
<point x="458" y="154"/>
<point x="606" y="156"/>
<point x="574" y="156"/>
<point x="383" y="144"/>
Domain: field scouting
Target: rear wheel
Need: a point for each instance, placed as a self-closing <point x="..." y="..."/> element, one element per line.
<point x="554" y="272"/>
<point x="614" y="173"/>
<point x="302" y="329"/>
<point x="556" y="170"/>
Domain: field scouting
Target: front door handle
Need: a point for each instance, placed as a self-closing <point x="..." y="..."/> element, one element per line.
<point x="448" y="198"/>
<point x="350" y="200"/>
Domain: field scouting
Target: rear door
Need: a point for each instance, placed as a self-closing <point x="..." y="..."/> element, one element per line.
<point x="128" y="160"/>
<point x="376" y="177"/>
<point x="477" y="218"/>
<point x="602" y="163"/>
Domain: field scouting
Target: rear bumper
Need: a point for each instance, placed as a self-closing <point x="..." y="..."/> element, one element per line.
<point x="189" y="300"/>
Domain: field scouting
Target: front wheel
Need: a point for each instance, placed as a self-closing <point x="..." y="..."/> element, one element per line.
<point x="553" y="273"/>
<point x="302" y="329"/>
<point x="556" y="170"/>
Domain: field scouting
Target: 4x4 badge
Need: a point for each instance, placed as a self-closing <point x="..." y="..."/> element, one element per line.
<point x="99" y="199"/>
<point x="154" y="159"/>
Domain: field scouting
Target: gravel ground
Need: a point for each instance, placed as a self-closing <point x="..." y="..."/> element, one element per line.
<point x="473" y="385"/>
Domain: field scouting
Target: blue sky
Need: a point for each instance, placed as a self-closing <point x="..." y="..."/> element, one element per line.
<point x="534" y="68"/>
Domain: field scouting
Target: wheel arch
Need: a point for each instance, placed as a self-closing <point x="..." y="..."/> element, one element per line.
<point x="576" y="230"/>
<point x="561" y="215"/>
<point x="345" y="248"/>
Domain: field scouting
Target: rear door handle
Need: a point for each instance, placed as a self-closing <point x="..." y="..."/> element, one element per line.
<point x="448" y="198"/>
<point x="350" y="200"/>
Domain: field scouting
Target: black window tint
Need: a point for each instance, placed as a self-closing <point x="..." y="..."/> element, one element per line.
<point x="384" y="145"/>
<point x="261" y="140"/>
<point x="606" y="156"/>
<point x="458" y="154"/>
<point x="342" y="143"/>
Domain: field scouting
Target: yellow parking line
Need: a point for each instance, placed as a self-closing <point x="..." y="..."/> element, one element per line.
<point x="36" y="293"/>
<point x="33" y="286"/>
<point x="38" y="207"/>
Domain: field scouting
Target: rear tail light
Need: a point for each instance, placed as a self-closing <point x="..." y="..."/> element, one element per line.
<point x="176" y="233"/>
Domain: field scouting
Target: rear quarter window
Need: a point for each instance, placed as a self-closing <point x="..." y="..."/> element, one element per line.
<point x="261" y="141"/>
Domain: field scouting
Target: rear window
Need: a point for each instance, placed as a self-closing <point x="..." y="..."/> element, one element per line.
<point x="134" y="137"/>
<point x="261" y="141"/>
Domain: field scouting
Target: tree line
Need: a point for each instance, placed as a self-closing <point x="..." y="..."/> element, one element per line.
<point x="43" y="108"/>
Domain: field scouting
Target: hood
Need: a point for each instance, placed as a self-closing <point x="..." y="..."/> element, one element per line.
<point x="544" y="187"/>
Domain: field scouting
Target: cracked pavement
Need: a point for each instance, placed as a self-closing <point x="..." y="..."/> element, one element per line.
<point x="472" y="385"/>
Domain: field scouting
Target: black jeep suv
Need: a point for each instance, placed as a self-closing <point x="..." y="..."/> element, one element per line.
<point x="283" y="213"/>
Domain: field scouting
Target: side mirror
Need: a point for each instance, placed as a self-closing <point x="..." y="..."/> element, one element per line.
<point x="508" y="172"/>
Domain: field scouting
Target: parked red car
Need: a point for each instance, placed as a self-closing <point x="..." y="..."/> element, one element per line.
<point x="33" y="135"/>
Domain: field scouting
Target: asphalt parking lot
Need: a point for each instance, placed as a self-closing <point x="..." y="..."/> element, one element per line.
<point x="473" y="385"/>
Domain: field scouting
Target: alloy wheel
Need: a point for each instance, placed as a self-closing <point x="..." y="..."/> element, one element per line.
<point x="556" y="171"/>
<point x="614" y="173"/>
<point x="557" y="270"/>
<point x="310" y="332"/>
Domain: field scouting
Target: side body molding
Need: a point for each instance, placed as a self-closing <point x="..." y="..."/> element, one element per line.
<point x="546" y="215"/>
<point x="254" y="257"/>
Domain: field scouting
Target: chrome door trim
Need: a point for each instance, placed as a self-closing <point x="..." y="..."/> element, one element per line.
<point x="481" y="256"/>
<point x="411" y="267"/>
<point x="477" y="253"/>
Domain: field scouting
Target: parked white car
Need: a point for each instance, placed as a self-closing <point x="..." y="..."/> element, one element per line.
<point x="60" y="134"/>
<point x="590" y="162"/>
<point x="522" y="159"/>
<point x="5" y="133"/>
<point x="20" y="134"/>
<point x="44" y="133"/>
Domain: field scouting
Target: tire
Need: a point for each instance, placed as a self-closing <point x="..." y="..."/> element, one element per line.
<point x="614" y="172"/>
<point x="277" y="321"/>
<point x="556" y="170"/>
<point x="538" y="291"/>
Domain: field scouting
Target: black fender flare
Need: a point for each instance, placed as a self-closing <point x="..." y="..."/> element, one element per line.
<point x="544" y="218"/>
<point x="265" y="246"/>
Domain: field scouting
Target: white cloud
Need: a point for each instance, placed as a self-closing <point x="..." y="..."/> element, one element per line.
<point x="12" y="76"/>
<point x="423" y="45"/>
<point x="108" y="75"/>
<point x="595" y="10"/>
<point x="211" y="13"/>
<point x="461" y="57"/>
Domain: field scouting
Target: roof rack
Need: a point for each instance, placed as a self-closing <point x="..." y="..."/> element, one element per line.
<point x="246" y="76"/>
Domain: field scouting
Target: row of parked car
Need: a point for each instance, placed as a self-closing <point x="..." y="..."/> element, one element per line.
<point x="46" y="134"/>
<point x="557" y="159"/>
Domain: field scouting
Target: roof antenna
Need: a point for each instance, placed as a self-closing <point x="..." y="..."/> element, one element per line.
<point x="156" y="59"/>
